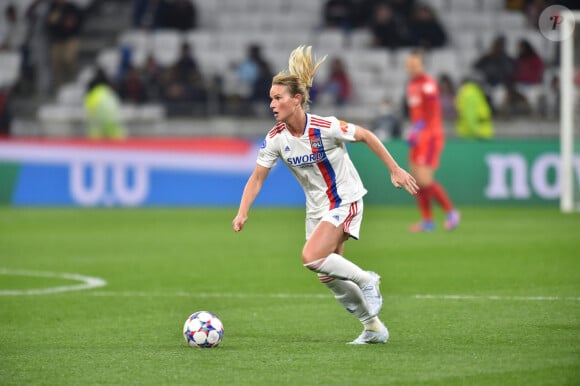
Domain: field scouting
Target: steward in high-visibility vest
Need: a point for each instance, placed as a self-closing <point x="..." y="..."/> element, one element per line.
<point x="474" y="115"/>
<point x="102" y="111"/>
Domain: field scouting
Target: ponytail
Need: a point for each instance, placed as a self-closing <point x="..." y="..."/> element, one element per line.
<point x="300" y="75"/>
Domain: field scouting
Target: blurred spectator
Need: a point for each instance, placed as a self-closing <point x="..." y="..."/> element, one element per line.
<point x="514" y="103"/>
<point x="532" y="10"/>
<point x="125" y="62"/>
<point x="12" y="30"/>
<point x="14" y="37"/>
<point x="474" y="115"/>
<point x="338" y="14"/>
<point x="553" y="98"/>
<point x="362" y="13"/>
<point x="447" y="96"/>
<point x="496" y="65"/>
<point x="549" y="102"/>
<point x="102" y="107"/>
<point x="64" y="21"/>
<point x="261" y="87"/>
<point x="514" y="5"/>
<point x="388" y="31"/>
<point x="387" y="125"/>
<point x="254" y="76"/>
<point x="152" y="74"/>
<point x="171" y="14"/>
<point x="570" y="4"/>
<point x="5" y="112"/>
<point x="425" y="30"/>
<point x="146" y="13"/>
<point x="338" y="84"/>
<point x="183" y="84"/>
<point x="402" y="8"/>
<point x="131" y="87"/>
<point x="529" y="67"/>
<point x="186" y="67"/>
<point x="179" y="14"/>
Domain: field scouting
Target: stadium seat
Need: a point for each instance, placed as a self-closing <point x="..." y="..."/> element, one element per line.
<point x="85" y="75"/>
<point x="460" y="21"/>
<point x="203" y="41"/>
<point x="360" y="39"/>
<point x="490" y="5"/>
<point x="10" y="62"/>
<point x="462" y="5"/>
<point x="510" y="20"/>
<point x="442" y="61"/>
<point x="330" y="40"/>
<point x="166" y="46"/>
<point x="71" y="94"/>
<point x="136" y="39"/>
<point x="108" y="60"/>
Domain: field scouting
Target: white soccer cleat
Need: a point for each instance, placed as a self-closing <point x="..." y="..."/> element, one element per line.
<point x="371" y="337"/>
<point x="372" y="294"/>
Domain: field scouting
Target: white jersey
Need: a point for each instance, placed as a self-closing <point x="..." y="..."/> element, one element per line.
<point x="319" y="160"/>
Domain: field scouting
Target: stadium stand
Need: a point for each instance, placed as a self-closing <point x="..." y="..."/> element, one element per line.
<point x="226" y="27"/>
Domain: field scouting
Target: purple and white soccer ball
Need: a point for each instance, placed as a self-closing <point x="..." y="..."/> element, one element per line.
<point x="203" y="329"/>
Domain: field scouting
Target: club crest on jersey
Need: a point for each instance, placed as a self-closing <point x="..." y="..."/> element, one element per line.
<point x="316" y="144"/>
<point x="429" y="88"/>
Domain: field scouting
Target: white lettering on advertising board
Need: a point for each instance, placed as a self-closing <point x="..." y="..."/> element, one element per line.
<point x="511" y="177"/>
<point x="89" y="185"/>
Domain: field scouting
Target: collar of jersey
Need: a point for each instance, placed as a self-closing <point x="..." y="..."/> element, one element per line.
<point x="305" y="123"/>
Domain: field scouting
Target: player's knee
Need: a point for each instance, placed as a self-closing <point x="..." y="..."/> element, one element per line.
<point x="307" y="259"/>
<point x="311" y="259"/>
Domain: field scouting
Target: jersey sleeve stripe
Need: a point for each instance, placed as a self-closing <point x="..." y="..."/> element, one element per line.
<point x="276" y="129"/>
<point x="320" y="122"/>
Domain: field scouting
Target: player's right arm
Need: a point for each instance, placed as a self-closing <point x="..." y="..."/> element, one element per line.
<point x="251" y="190"/>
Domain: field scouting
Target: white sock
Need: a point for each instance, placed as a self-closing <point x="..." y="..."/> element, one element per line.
<point x="337" y="266"/>
<point x="350" y="296"/>
<point x="373" y="324"/>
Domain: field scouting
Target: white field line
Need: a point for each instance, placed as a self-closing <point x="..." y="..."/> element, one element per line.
<point x="210" y="295"/>
<point x="87" y="282"/>
<point x="498" y="297"/>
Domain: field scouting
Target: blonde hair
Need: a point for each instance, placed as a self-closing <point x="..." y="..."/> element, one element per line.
<point x="300" y="74"/>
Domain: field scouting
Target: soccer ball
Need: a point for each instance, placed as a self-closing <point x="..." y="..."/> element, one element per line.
<point x="203" y="329"/>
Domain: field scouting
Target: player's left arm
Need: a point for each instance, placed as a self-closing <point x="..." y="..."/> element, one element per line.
<point x="399" y="177"/>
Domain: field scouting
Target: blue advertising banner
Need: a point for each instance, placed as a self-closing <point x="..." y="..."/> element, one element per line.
<point x="152" y="172"/>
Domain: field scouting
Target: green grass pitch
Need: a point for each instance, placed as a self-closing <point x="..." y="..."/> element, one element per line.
<point x="496" y="302"/>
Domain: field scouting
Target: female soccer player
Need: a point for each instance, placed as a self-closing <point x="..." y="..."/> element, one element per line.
<point x="313" y="147"/>
<point x="426" y="140"/>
